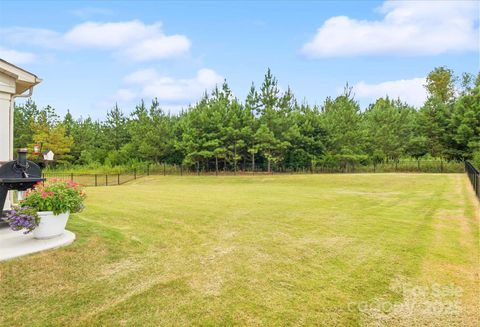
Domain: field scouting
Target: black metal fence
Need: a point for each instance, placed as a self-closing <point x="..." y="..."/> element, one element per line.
<point x="110" y="179"/>
<point x="95" y="179"/>
<point x="474" y="177"/>
<point x="400" y="166"/>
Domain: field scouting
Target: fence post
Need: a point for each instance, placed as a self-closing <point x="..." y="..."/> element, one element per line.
<point x="148" y="169"/>
<point x="478" y="186"/>
<point x="474" y="177"/>
<point x="96" y="183"/>
<point x="164" y="172"/>
<point x="106" y="179"/>
<point x="134" y="174"/>
<point x="118" y="179"/>
<point x="71" y="177"/>
<point x="475" y="183"/>
<point x="181" y="170"/>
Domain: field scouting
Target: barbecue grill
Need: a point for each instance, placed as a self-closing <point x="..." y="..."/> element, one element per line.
<point x="20" y="175"/>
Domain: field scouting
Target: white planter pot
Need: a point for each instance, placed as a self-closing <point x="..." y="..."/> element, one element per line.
<point x="50" y="225"/>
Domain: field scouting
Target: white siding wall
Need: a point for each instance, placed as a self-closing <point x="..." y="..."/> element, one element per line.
<point x="6" y="141"/>
<point x="5" y="138"/>
<point x="13" y="80"/>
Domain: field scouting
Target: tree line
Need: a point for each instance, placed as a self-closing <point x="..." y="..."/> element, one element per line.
<point x="270" y="129"/>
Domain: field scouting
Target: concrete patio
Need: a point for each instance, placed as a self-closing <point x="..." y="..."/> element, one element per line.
<point x="16" y="244"/>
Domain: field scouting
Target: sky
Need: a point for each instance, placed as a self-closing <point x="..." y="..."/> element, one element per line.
<point x="92" y="55"/>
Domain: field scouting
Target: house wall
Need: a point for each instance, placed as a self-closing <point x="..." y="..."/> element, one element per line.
<point x="13" y="82"/>
<point x="5" y="131"/>
<point x="7" y="89"/>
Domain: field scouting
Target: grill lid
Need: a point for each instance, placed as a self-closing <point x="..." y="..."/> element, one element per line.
<point x="20" y="174"/>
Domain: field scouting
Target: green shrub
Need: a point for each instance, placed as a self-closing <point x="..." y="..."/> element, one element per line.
<point x="476" y="159"/>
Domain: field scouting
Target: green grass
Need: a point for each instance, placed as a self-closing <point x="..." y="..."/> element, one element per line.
<point x="280" y="250"/>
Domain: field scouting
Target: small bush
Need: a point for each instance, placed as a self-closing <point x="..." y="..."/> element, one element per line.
<point x="476" y="160"/>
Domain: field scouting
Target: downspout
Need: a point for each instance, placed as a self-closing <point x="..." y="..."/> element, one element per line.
<point x="12" y="114"/>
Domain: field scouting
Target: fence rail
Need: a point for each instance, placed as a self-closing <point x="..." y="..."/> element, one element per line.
<point x="474" y="177"/>
<point x="95" y="179"/>
<point x="403" y="166"/>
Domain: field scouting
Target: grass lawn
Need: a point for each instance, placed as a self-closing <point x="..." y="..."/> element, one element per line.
<point x="366" y="249"/>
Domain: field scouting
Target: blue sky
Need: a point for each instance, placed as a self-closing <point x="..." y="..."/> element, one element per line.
<point x="93" y="54"/>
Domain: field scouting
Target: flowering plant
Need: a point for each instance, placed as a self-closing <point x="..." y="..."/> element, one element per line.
<point x="55" y="195"/>
<point x="23" y="218"/>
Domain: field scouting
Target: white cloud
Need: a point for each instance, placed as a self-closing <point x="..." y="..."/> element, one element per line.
<point x="150" y="84"/>
<point x="132" y="39"/>
<point x="174" y="94"/>
<point x="159" y="48"/>
<point x="17" y="57"/>
<point x="124" y="95"/>
<point x="91" y="11"/>
<point x="141" y="76"/>
<point x="110" y="35"/>
<point x="32" y="36"/>
<point x="407" y="28"/>
<point x="411" y="91"/>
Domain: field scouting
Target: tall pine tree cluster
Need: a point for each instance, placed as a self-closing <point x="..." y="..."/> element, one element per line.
<point x="269" y="130"/>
